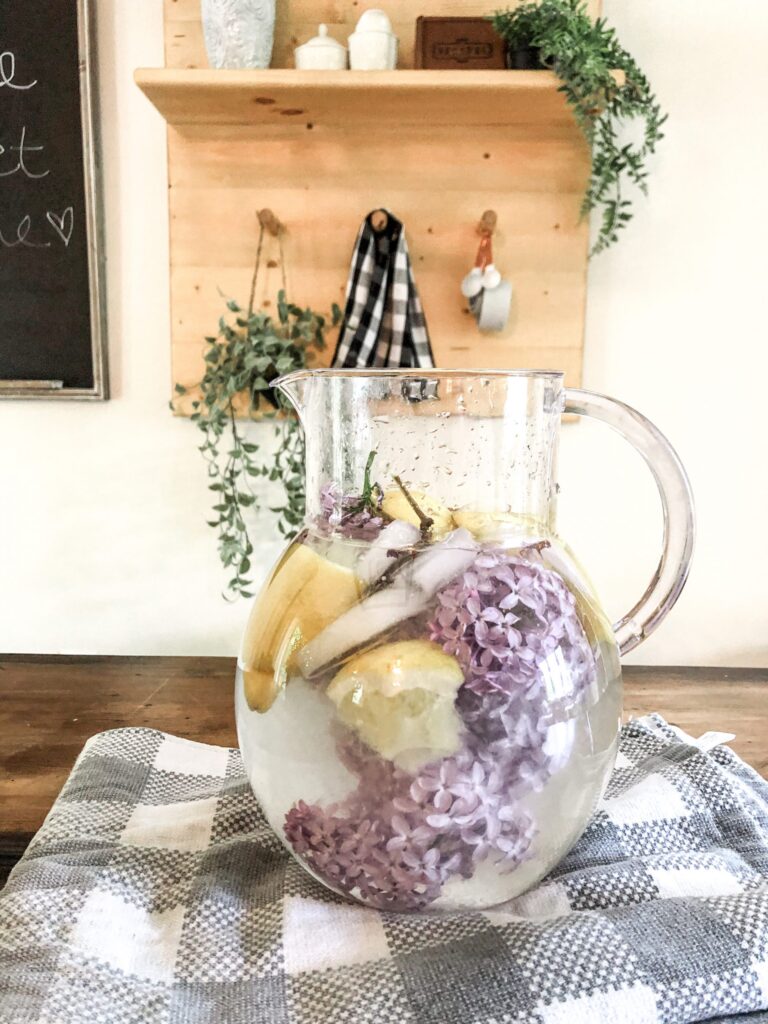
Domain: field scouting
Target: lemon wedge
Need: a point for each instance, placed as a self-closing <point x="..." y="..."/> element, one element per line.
<point x="395" y="505"/>
<point x="304" y="594"/>
<point x="501" y="526"/>
<point x="400" y="700"/>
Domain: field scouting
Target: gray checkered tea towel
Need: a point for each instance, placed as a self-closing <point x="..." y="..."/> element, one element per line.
<point x="156" y="892"/>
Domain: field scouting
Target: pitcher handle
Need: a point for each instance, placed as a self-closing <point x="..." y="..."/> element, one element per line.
<point x="676" y="502"/>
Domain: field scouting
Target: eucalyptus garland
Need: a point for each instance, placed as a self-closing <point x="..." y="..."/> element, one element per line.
<point x="250" y="350"/>
<point x="583" y="54"/>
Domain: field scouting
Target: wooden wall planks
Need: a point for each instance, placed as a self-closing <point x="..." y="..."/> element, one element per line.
<point x="322" y="181"/>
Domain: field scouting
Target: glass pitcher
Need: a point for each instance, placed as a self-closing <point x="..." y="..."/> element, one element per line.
<point x="428" y="693"/>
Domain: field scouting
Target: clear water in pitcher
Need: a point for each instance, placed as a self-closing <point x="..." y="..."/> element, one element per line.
<point x="427" y="701"/>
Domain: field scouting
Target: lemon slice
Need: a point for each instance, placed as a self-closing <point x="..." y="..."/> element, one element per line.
<point x="305" y="593"/>
<point x="400" y="700"/>
<point x="395" y="505"/>
<point x="500" y="526"/>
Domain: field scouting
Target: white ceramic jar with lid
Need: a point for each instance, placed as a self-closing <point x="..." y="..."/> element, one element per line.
<point x="373" y="44"/>
<point x="322" y="53"/>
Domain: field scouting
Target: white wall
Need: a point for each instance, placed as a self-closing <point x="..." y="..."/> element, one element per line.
<point x="102" y="535"/>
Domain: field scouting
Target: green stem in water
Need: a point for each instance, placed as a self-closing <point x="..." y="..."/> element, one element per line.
<point x="371" y="494"/>
<point x="367" y="485"/>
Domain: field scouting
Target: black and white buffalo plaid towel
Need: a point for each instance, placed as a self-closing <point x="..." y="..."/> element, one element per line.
<point x="156" y="892"/>
<point x="384" y="322"/>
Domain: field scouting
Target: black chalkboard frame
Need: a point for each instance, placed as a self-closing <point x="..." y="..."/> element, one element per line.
<point x="94" y="217"/>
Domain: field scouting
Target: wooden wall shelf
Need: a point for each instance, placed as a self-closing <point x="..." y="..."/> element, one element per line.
<point x="322" y="149"/>
<point x="356" y="99"/>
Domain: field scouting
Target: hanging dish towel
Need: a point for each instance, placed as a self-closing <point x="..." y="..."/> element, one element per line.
<point x="383" y="322"/>
<point x="156" y="893"/>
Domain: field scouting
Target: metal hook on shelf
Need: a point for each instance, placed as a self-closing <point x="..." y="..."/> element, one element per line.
<point x="379" y="220"/>
<point x="270" y="223"/>
<point x="484" y="259"/>
<point x="487" y="224"/>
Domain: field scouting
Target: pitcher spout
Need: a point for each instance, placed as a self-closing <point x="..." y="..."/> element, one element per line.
<point x="293" y="386"/>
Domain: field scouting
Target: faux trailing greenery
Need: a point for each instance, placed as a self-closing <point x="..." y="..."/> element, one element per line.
<point x="583" y="53"/>
<point x="240" y="361"/>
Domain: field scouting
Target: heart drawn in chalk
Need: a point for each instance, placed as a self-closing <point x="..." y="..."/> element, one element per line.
<point x="64" y="225"/>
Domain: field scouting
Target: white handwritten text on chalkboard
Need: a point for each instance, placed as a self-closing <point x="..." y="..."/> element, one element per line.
<point x="8" y="72"/>
<point x="24" y="159"/>
<point x="21" y="163"/>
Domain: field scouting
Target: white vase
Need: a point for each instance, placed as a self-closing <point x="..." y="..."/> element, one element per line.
<point x="238" y="33"/>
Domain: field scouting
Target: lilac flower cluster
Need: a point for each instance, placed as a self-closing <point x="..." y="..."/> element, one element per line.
<point x="398" y="838"/>
<point x="512" y="626"/>
<point x="346" y="515"/>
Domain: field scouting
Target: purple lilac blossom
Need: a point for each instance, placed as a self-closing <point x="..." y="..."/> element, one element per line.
<point x="399" y="837"/>
<point x="513" y="627"/>
<point x="395" y="840"/>
<point x="341" y="514"/>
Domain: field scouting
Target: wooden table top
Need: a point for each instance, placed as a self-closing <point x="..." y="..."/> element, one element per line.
<point x="49" y="706"/>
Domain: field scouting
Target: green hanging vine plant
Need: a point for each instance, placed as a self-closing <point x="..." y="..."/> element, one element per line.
<point x="583" y="53"/>
<point x="248" y="352"/>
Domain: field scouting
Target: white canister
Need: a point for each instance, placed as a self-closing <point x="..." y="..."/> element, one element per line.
<point x="373" y="44"/>
<point x="322" y="53"/>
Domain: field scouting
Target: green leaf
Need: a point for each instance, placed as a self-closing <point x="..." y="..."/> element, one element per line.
<point x="244" y="360"/>
<point x="583" y="54"/>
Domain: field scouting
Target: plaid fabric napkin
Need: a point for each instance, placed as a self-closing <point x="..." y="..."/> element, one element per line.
<point x="384" y="322"/>
<point x="155" y="891"/>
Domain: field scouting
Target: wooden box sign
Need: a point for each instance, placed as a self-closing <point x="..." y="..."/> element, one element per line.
<point x="52" y="342"/>
<point x="456" y="43"/>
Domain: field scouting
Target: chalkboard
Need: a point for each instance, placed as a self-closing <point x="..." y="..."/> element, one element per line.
<point x="52" y="339"/>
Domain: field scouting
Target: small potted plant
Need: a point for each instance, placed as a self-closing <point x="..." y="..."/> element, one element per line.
<point x="518" y="33"/>
<point x="585" y="54"/>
